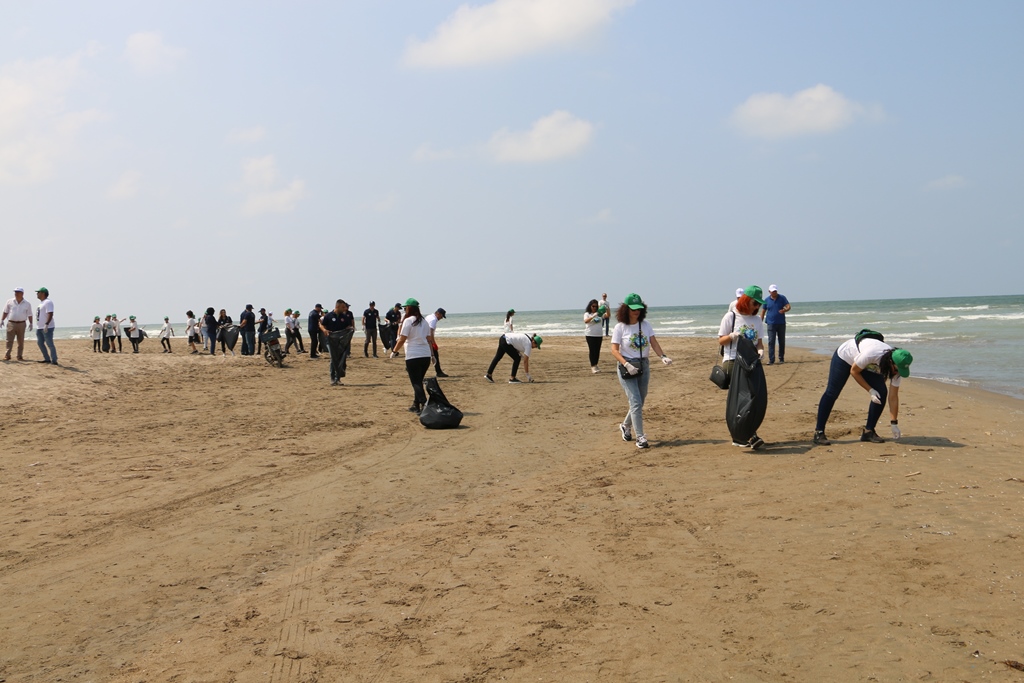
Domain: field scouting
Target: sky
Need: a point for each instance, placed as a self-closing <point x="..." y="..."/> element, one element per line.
<point x="528" y="154"/>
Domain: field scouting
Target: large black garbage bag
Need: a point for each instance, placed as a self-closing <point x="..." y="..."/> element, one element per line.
<point x="439" y="413"/>
<point x="747" y="400"/>
<point x="229" y="335"/>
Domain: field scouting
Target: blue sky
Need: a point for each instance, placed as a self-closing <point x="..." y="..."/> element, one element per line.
<point x="156" y="157"/>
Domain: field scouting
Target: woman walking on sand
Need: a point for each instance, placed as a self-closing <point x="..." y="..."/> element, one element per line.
<point x="508" y="320"/>
<point x="190" y="330"/>
<point x="743" y="321"/>
<point x="223" y="321"/>
<point x="632" y="341"/>
<point x="593" y="319"/>
<point x="418" y="339"/>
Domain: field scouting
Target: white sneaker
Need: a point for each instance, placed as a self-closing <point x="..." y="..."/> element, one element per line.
<point x="641" y="442"/>
<point x="595" y="370"/>
<point x="627" y="432"/>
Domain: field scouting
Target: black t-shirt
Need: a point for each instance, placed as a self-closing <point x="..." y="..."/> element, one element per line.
<point x="393" y="317"/>
<point x="248" y="318"/>
<point x="211" y="322"/>
<point x="314" y="321"/>
<point x="335" y="322"/>
<point x="263" y="323"/>
<point x="372" y="316"/>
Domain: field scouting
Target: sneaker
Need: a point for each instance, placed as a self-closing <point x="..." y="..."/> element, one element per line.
<point x="641" y="442"/>
<point x="441" y="374"/>
<point x="595" y="370"/>
<point x="820" y="439"/>
<point x="737" y="444"/>
<point x="627" y="433"/>
<point x="514" y="380"/>
<point x="335" y="382"/>
<point x="489" y="379"/>
<point x="870" y="435"/>
<point x="756" y="442"/>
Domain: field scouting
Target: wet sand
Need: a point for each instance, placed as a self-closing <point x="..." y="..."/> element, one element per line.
<point x="169" y="517"/>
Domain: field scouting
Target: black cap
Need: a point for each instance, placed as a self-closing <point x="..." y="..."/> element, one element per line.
<point x="373" y="303"/>
<point x="248" y="307"/>
<point x="442" y="311"/>
<point x="318" y="306"/>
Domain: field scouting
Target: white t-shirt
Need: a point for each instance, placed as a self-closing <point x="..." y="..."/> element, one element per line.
<point x="431" y="320"/>
<point x="634" y="340"/>
<point x="871" y="351"/>
<point x="166" y="331"/>
<point x="43" y="311"/>
<point x="417" y="338"/>
<point x="521" y="342"/>
<point x="111" y="330"/>
<point x="96" y="331"/>
<point x="190" y="327"/>
<point x="508" y="326"/>
<point x="289" y="322"/>
<point x="750" y="326"/>
<point x="133" y="330"/>
<point x="595" y="324"/>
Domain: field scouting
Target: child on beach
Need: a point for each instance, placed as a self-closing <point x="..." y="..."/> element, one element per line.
<point x="96" y="333"/>
<point x="166" y="332"/>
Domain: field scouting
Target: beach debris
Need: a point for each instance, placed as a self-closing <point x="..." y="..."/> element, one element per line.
<point x="927" y="491"/>
<point x="912" y="474"/>
<point x="923" y="450"/>
<point x="290" y="654"/>
<point x="1014" y="664"/>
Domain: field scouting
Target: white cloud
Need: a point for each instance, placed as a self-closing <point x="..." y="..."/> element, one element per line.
<point x="263" y="189"/>
<point x="37" y="127"/>
<point x="427" y="152"/>
<point x="506" y="29"/>
<point x="149" y="55"/>
<point x="246" y="136"/>
<point x="948" y="182"/>
<point x="126" y="187"/>
<point x="555" y="136"/>
<point x="812" y="111"/>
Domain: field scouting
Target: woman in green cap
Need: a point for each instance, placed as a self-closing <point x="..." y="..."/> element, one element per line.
<point x="418" y="339"/>
<point x="508" y="320"/>
<point x="632" y="341"/>
<point x="743" y="320"/>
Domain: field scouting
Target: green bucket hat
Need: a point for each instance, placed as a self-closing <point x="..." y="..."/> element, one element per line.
<point x="902" y="359"/>
<point x="538" y="340"/>
<point x="755" y="293"/>
<point x="411" y="302"/>
<point x="635" y="302"/>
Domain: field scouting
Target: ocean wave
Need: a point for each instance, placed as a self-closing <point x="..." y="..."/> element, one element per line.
<point x="994" y="316"/>
<point x="964" y="308"/>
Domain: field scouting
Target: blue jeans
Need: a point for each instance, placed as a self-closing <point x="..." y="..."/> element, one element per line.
<point x="248" y="341"/>
<point x="636" y="393"/>
<point x="780" y="332"/>
<point x="838" y="373"/>
<point x="45" y="340"/>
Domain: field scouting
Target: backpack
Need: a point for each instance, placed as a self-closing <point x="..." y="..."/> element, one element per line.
<point x="867" y="334"/>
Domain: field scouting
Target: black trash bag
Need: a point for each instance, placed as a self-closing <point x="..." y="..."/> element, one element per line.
<point x="747" y="400"/>
<point x="439" y="413"/>
<point x="229" y="335"/>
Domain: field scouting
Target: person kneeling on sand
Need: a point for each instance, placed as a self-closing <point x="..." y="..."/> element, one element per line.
<point x="870" y="361"/>
<point x="517" y="346"/>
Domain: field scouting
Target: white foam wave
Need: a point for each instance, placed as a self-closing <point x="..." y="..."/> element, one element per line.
<point x="965" y="308"/>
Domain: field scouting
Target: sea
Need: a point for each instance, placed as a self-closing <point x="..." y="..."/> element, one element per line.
<point x="975" y="341"/>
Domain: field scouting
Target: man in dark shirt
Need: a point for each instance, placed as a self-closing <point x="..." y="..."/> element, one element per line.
<point x="371" y="318"/>
<point x="339" y="325"/>
<point x="262" y="321"/>
<point x="313" y="327"/>
<point x="394" y="317"/>
<point x="247" y="327"/>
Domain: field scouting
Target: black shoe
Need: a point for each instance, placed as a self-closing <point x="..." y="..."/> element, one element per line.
<point x="442" y="374"/>
<point x="489" y="379"/>
<point x="756" y="442"/>
<point x="414" y="408"/>
<point x="514" y="381"/>
<point x="871" y="436"/>
<point x="820" y="439"/>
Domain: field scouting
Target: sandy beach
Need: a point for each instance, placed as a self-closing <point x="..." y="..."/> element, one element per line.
<point x="171" y="517"/>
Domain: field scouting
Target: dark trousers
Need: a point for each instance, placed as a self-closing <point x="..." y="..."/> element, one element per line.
<point x="776" y="332"/>
<point x="248" y="341"/>
<point x="298" y="340"/>
<point x="259" y="340"/>
<point x="371" y="335"/>
<point x="391" y="337"/>
<point x="290" y="336"/>
<point x="339" y="344"/>
<point x="166" y="343"/>
<point x="594" y="344"/>
<point x="314" y="342"/>
<point x="838" y="373"/>
<point x="504" y="348"/>
<point x="417" y="369"/>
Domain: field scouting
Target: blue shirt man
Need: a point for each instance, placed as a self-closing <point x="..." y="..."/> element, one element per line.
<point x="773" y="313"/>
<point x="247" y="326"/>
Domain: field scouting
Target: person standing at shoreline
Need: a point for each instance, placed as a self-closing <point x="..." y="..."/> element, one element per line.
<point x="210" y="325"/>
<point x="261" y="328"/>
<point x="418" y="338"/>
<point x="166" y="332"/>
<point x="508" y="321"/>
<point x="371" y="318"/>
<point x="108" y="334"/>
<point x="247" y="328"/>
<point x="432" y="320"/>
<point x="394" y="318"/>
<point x="45" y="326"/>
<point x="313" y="327"/>
<point x="338" y="326"/>
<point x="96" y="334"/>
<point x="773" y="313"/>
<point x="115" y="324"/>
<point x="297" y="329"/>
<point x="632" y="341"/>
<point x="608" y="309"/>
<point x="17" y="314"/>
<point x="593" y="320"/>
<point x="134" y="336"/>
<point x="190" y="330"/>
<point x="871" y="362"/>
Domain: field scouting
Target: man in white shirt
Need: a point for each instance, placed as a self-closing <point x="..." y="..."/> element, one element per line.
<point x="17" y="313"/>
<point x="432" y="319"/>
<point x="607" y="309"/>
<point x="45" y="326"/>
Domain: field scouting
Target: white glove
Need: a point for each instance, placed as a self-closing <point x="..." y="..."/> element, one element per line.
<point x="666" y="360"/>
<point x="734" y="335"/>
<point x="392" y="355"/>
<point x="631" y="369"/>
<point x="760" y="353"/>
<point x="528" y="377"/>
<point x="896" y="433"/>
<point x="875" y="397"/>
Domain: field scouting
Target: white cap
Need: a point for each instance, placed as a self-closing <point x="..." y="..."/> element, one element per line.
<point x="772" y="288"/>
<point x="19" y="290"/>
<point x="739" y="292"/>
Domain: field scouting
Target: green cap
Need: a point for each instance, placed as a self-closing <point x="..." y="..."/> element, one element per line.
<point x="602" y="309"/>
<point x="96" y="318"/>
<point x="902" y="359"/>
<point x="44" y="290"/>
<point x="131" y="317"/>
<point x="538" y="340"/>
<point x="512" y="310"/>
<point x="411" y="302"/>
<point x="634" y="301"/>
<point x="755" y="293"/>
